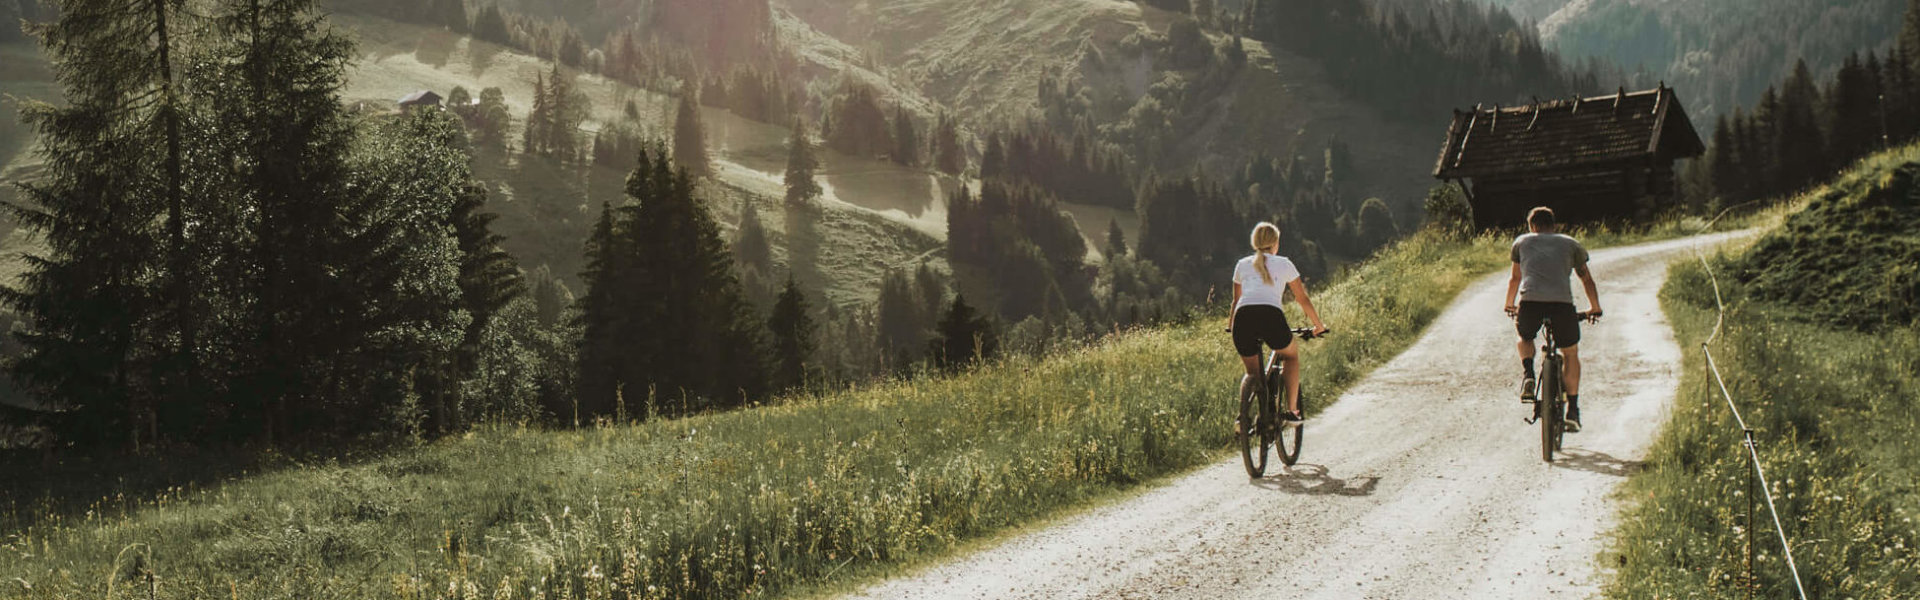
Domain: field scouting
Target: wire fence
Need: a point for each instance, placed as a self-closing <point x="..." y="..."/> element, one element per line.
<point x="1756" y="472"/>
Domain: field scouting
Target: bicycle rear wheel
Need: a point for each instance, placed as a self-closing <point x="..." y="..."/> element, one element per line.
<point x="1547" y="410"/>
<point x="1287" y="441"/>
<point x="1250" y="427"/>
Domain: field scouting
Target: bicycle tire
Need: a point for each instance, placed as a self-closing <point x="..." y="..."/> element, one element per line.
<point x="1547" y="409"/>
<point x="1285" y="437"/>
<point x="1289" y="449"/>
<point x="1250" y="428"/>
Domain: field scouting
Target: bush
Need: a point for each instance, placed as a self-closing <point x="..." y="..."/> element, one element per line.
<point x="1447" y="210"/>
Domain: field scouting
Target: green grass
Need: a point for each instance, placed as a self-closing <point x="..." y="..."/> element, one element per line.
<point x="770" y="499"/>
<point x="1852" y="256"/>
<point x="1834" y="410"/>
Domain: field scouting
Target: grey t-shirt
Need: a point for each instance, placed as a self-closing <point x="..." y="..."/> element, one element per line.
<point x="1546" y="263"/>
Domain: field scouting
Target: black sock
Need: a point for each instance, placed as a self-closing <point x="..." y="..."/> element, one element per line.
<point x="1573" y="399"/>
<point x="1526" y="364"/>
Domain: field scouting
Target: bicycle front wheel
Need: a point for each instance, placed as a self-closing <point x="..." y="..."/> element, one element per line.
<point x="1250" y="428"/>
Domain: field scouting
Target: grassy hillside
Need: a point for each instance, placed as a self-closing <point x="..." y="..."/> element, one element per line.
<point x="1834" y="409"/>
<point x="770" y="499"/>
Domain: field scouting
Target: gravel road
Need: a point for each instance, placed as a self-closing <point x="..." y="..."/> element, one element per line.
<point x="1421" y="482"/>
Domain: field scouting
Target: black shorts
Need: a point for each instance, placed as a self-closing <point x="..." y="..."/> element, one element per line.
<point x="1255" y="324"/>
<point x="1566" y="322"/>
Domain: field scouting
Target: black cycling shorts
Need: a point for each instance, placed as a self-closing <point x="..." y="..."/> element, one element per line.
<point x="1566" y="322"/>
<point x="1255" y="324"/>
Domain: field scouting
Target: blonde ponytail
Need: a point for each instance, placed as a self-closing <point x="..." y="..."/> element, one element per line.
<point x="1266" y="239"/>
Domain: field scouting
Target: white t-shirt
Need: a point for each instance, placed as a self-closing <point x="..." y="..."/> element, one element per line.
<point x="1253" y="290"/>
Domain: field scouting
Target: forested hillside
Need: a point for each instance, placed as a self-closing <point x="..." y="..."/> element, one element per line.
<point x="1719" y="54"/>
<point x="884" y="191"/>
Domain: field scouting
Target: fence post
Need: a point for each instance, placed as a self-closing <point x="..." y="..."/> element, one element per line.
<point x="1747" y="440"/>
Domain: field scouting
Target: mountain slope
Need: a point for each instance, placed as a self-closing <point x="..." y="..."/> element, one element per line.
<point x="1719" y="54"/>
<point x="991" y="60"/>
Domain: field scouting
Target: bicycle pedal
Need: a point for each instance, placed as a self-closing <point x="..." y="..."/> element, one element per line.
<point x="1530" y="420"/>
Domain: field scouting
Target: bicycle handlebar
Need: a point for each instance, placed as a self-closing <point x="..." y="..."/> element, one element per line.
<point x="1591" y="316"/>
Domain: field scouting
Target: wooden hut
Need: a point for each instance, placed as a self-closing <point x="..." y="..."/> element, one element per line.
<point x="422" y="98"/>
<point x="1607" y="157"/>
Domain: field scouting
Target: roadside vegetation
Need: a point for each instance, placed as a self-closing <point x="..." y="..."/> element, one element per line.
<point x="1831" y="391"/>
<point x="749" y="501"/>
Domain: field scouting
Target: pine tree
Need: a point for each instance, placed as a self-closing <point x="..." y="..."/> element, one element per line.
<point x="690" y="136"/>
<point x="489" y="280"/>
<point x="1909" y="41"/>
<point x="568" y="108"/>
<point x="493" y="119"/>
<point x="1725" y="162"/>
<point x="801" y="165"/>
<point x="286" y="118"/>
<point x="948" y="156"/>
<point x="933" y="292"/>
<point x="1898" y="80"/>
<point x="491" y="25"/>
<point x="964" y="337"/>
<point x="906" y="142"/>
<point x="1853" y="110"/>
<point x="900" y="323"/>
<point x="664" y="311"/>
<point x="793" y="337"/>
<point x="857" y="125"/>
<point x="1116" y="240"/>
<point x="390" y="348"/>
<point x="750" y="245"/>
<point x="453" y="14"/>
<point x="460" y="101"/>
<point x="112" y="285"/>
<point x="599" y="318"/>
<point x="539" y="120"/>
<point x="993" y="162"/>
<point x="1759" y="147"/>
<point x="1798" y="142"/>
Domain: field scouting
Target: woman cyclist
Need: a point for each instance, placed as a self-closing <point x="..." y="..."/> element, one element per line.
<point x="1257" y="291"/>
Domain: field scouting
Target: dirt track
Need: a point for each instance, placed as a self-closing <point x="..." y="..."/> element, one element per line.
<point x="1421" y="482"/>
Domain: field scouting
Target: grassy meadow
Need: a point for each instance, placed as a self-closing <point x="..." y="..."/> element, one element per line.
<point x="1834" y="409"/>
<point x="772" y="499"/>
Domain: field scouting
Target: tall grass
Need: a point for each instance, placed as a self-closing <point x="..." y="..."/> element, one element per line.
<point x="1835" y="413"/>
<point x="1834" y="410"/>
<point x="774" y="499"/>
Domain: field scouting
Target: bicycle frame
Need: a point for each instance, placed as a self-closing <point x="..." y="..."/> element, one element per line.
<point x="1547" y="403"/>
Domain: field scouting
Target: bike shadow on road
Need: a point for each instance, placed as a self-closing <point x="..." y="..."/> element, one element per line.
<point x="1580" y="459"/>
<point x="1313" y="480"/>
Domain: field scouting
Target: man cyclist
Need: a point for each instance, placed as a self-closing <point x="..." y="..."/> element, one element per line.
<point x="1542" y="262"/>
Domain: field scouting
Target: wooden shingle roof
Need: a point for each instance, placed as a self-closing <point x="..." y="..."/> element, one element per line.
<point x="420" y="97"/>
<point x="1563" y="134"/>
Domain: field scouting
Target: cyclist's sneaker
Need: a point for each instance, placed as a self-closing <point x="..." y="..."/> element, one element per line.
<point x="1573" y="418"/>
<point x="1527" y="386"/>
<point x="1291" y="417"/>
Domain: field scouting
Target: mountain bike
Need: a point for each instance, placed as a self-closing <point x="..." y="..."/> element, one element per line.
<point x="1259" y="426"/>
<point x="1550" y="403"/>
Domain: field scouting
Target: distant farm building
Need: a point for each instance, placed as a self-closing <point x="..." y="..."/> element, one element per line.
<point x="1600" y="158"/>
<point x="419" y="99"/>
